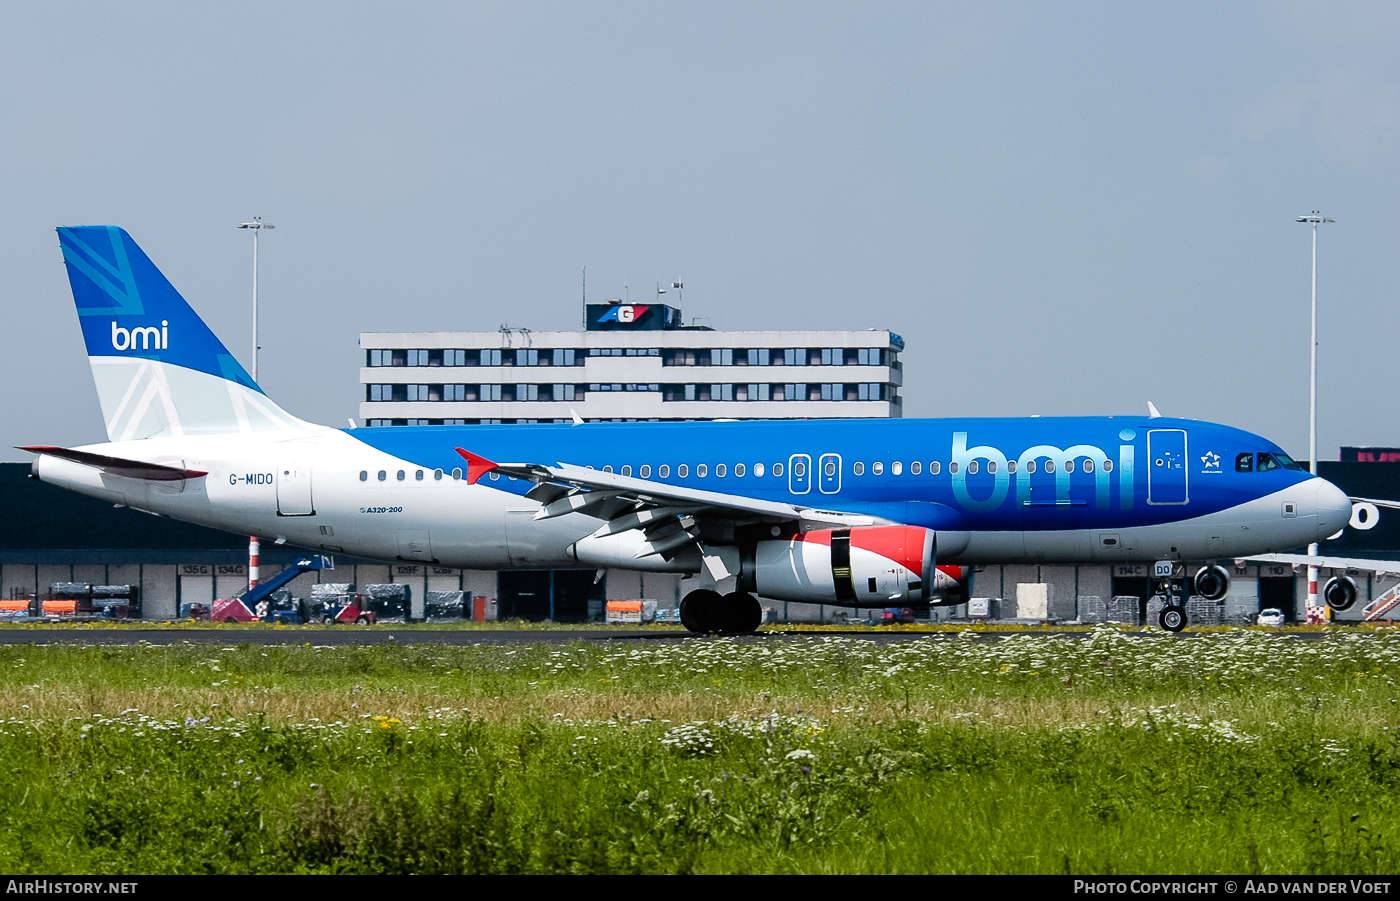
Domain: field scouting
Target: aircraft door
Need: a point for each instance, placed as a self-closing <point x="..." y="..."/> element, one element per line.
<point x="829" y="473"/>
<point x="800" y="474"/>
<point x="1166" y="466"/>
<point x="294" y="488"/>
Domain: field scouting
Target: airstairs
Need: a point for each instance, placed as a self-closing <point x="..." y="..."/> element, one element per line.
<point x="1382" y="606"/>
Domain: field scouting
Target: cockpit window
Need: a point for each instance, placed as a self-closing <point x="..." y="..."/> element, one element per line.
<point x="1267" y="463"/>
<point x="1287" y="462"/>
<point x="1244" y="463"/>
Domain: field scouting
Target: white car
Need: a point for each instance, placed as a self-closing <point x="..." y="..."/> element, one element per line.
<point x="1271" y="617"/>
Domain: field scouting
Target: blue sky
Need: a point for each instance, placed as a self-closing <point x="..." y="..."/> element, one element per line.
<point x="1066" y="208"/>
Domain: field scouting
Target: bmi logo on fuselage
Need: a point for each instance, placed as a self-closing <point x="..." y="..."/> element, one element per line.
<point x="141" y="338"/>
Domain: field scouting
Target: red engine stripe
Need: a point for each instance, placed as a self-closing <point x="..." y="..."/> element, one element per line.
<point x="901" y="544"/>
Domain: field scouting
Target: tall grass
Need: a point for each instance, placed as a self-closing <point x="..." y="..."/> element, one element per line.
<point x="1110" y="755"/>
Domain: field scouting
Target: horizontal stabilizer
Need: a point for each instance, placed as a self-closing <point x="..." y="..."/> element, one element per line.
<point x="132" y="469"/>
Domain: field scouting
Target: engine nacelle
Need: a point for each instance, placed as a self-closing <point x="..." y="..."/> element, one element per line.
<point x="879" y="566"/>
<point x="1212" y="582"/>
<point x="1340" y="592"/>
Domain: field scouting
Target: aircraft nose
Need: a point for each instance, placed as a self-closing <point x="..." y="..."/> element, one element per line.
<point x="1333" y="509"/>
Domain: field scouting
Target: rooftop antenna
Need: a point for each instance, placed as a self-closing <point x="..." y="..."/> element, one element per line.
<point x="585" y="298"/>
<point x="680" y="294"/>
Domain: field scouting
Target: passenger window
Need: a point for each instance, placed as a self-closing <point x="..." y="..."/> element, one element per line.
<point x="1088" y="465"/>
<point x="991" y="466"/>
<point x="953" y="467"/>
<point x="757" y="470"/>
<point x="664" y="471"/>
<point x="972" y="467"/>
<point x="457" y="474"/>
<point x="418" y="475"/>
<point x="739" y="470"/>
<point x="799" y="469"/>
<point x="1108" y="466"/>
<point x="935" y="468"/>
<point x="682" y="470"/>
<point x="1267" y="463"/>
<point x="627" y="470"/>
<point x="437" y="475"/>
<point x="400" y="475"/>
<point x="877" y="469"/>
<point x="1010" y="465"/>
<point x="858" y="468"/>
<point x="720" y="470"/>
<point x="895" y="468"/>
<point x="646" y="471"/>
<point x="383" y="475"/>
<point x="1244" y="463"/>
<point x="1069" y="466"/>
<point x="364" y="476"/>
<point x="1030" y="466"/>
<point x="1049" y="465"/>
<point x="777" y="469"/>
<point x="701" y="470"/>
<point x="916" y="467"/>
<point x="607" y="468"/>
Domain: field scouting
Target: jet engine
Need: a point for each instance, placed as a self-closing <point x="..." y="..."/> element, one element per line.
<point x="1211" y="582"/>
<point x="1340" y="592"/>
<point x="878" y="566"/>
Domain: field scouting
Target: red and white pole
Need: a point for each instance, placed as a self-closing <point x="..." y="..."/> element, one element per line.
<point x="253" y="548"/>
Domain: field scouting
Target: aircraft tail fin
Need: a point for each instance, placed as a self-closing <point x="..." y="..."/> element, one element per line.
<point x="159" y="369"/>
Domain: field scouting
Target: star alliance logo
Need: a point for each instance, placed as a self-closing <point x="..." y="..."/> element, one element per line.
<point x="1211" y="460"/>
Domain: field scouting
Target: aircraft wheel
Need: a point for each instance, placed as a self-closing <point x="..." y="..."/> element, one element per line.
<point x="742" y="614"/>
<point x="701" y="610"/>
<point x="362" y="620"/>
<point x="1173" y="618"/>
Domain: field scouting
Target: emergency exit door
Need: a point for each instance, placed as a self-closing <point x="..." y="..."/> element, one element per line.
<point x="294" y="488"/>
<point x="1166" y="466"/>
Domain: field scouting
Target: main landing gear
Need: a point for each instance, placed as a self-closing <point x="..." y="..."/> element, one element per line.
<point x="706" y="611"/>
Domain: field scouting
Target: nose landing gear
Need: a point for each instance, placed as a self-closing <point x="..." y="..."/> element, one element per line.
<point x="706" y="611"/>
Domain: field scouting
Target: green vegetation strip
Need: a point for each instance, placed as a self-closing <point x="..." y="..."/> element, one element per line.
<point x="1239" y="751"/>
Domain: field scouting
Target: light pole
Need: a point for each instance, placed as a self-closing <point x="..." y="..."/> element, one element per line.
<point x="255" y="226"/>
<point x="1315" y="218"/>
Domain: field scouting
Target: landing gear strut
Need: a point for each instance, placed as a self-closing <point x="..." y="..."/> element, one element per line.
<point x="736" y="613"/>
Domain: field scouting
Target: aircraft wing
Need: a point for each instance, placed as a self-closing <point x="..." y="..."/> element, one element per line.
<point x="671" y="516"/>
<point x="132" y="469"/>
<point x="1380" y="567"/>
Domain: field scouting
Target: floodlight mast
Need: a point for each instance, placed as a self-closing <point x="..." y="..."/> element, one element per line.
<point x="255" y="226"/>
<point x="1315" y="218"/>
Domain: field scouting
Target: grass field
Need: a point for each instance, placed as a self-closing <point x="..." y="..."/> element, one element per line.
<point x="1238" y="751"/>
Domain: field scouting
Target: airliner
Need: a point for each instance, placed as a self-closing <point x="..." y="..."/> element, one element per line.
<point x="858" y="513"/>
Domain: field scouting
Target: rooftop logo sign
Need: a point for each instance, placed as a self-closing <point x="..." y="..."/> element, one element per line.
<point x="624" y="314"/>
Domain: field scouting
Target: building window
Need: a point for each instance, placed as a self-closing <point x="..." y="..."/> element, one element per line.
<point x="491" y="358"/>
<point x="527" y="356"/>
<point x="794" y="356"/>
<point x="418" y="392"/>
<point x="870" y="391"/>
<point x="721" y="357"/>
<point x="721" y="392"/>
<point x="563" y="392"/>
<point x="870" y="356"/>
<point x="678" y="357"/>
<point x="454" y="358"/>
<point x="417" y="358"/>
<point x="378" y="393"/>
<point x="757" y="356"/>
<point x="563" y="356"/>
<point x="454" y="392"/>
<point x="527" y="392"/>
<point x="831" y="392"/>
<point x="759" y="391"/>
